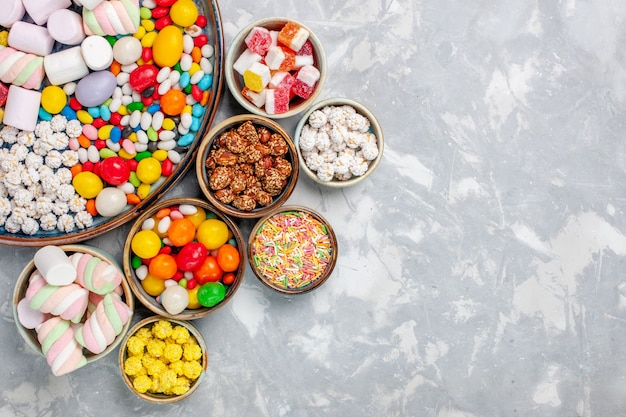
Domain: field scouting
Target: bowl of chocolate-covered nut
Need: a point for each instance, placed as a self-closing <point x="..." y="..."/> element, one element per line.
<point x="247" y="165"/>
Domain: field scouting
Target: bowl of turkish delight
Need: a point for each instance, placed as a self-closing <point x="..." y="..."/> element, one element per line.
<point x="275" y="67"/>
<point x="339" y="141"/>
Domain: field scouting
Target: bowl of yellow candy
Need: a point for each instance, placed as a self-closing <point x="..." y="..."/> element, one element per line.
<point x="163" y="360"/>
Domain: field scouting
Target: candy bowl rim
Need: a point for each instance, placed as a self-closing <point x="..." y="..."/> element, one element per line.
<point x="21" y="284"/>
<point x="162" y="398"/>
<point x="205" y="147"/>
<point x="328" y="270"/>
<point x="102" y="224"/>
<point x="235" y="83"/>
<point x="149" y="301"/>
<point x="375" y="127"/>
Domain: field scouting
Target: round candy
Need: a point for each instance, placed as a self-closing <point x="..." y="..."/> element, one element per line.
<point x="127" y="50"/>
<point x="53" y="99"/>
<point x="173" y="102"/>
<point x="145" y="244"/>
<point x="110" y="202"/>
<point x="198" y="217"/>
<point x="87" y="184"/>
<point x="193" y="297"/>
<point x="95" y="88"/>
<point x="191" y="256"/>
<point x="28" y="317"/>
<point x="97" y="52"/>
<point x="174" y="299"/>
<point x="152" y="285"/>
<point x="114" y="170"/>
<point x="163" y="266"/>
<point x="211" y="294"/>
<point x="142" y="77"/>
<point x="212" y="233"/>
<point x="148" y="170"/>
<point x="184" y="13"/>
<point x="168" y="46"/>
<point x="181" y="231"/>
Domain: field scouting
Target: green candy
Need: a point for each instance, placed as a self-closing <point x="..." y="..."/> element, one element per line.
<point x="135" y="105"/>
<point x="211" y="294"/>
<point x="152" y="134"/>
<point x="107" y="153"/>
<point x="133" y="179"/>
<point x="142" y="155"/>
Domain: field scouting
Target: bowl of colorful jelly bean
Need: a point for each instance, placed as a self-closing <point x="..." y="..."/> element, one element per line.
<point x="292" y="249"/>
<point x="184" y="259"/>
<point x="73" y="305"/>
<point x="275" y="67"/>
<point x="339" y="141"/>
<point x="163" y="360"/>
<point x="247" y="165"/>
<point x="102" y="107"/>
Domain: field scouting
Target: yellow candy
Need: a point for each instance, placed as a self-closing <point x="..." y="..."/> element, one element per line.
<point x="1" y="114"/>
<point x="184" y="13"/>
<point x="149" y="170"/>
<point x="141" y="32"/>
<point x="4" y="38"/>
<point x="148" y="39"/>
<point x="104" y="132"/>
<point x="168" y="124"/>
<point x="53" y="99"/>
<point x="160" y="155"/>
<point x="143" y="190"/>
<point x="84" y="117"/>
<point x="256" y="77"/>
<point x="148" y="25"/>
<point x="168" y="46"/>
<point x="87" y="184"/>
<point x="194" y="68"/>
<point x="123" y="154"/>
<point x="145" y="244"/>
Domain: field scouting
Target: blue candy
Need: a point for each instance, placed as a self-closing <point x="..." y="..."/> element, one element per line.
<point x="185" y="140"/>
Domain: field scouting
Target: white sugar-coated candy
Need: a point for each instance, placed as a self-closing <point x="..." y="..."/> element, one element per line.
<point x="22" y="108"/>
<point x="157" y="120"/>
<point x="170" y="283"/>
<point x="174" y="299"/>
<point x="141" y="147"/>
<point x="29" y="317"/>
<point x="187" y="209"/>
<point x="142" y="138"/>
<point x="66" y="26"/>
<point x="166" y="135"/>
<point x="148" y="224"/>
<point x="206" y="66"/>
<point x="117" y="93"/>
<point x="135" y="119"/>
<point x="54" y="265"/>
<point x="190" y="100"/>
<point x="40" y="11"/>
<point x="129" y="68"/>
<point x="187" y="44"/>
<point x="141" y="272"/>
<point x="146" y="120"/>
<point x="115" y="104"/>
<point x="122" y="78"/>
<point x="185" y="62"/>
<point x="207" y="50"/>
<point x="12" y="11"/>
<point x="188" y="274"/>
<point x="150" y="4"/>
<point x="182" y="129"/>
<point x="164" y="87"/>
<point x="127" y="188"/>
<point x="97" y="52"/>
<point x="166" y="145"/>
<point x="126" y="98"/>
<point x="174" y="77"/>
<point x="166" y="241"/>
<point x="110" y="202"/>
<point x="163" y="74"/>
<point x="174" y="157"/>
<point x="164" y="224"/>
<point x="93" y="155"/>
<point x="136" y="96"/>
<point x="82" y="155"/>
<point x="65" y="66"/>
<point x="125" y="120"/>
<point x="115" y="147"/>
<point x="127" y="50"/>
<point x="197" y="76"/>
<point x="28" y="37"/>
<point x="69" y="88"/>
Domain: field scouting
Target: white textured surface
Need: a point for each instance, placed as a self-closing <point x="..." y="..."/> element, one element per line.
<point x="480" y="268"/>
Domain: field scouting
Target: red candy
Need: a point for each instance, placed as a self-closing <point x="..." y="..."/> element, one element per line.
<point x="146" y="54"/>
<point x="258" y="40"/>
<point x="100" y="144"/>
<point x="200" y="21"/>
<point x="165" y="3"/>
<point x="75" y="104"/>
<point x="159" y="12"/>
<point x="191" y="256"/>
<point x="196" y="92"/>
<point x="114" y="170"/>
<point x="143" y="76"/>
<point x="99" y="122"/>
<point x="132" y="164"/>
<point x="4" y="92"/>
<point x="115" y="119"/>
<point x="162" y="22"/>
<point x="200" y="40"/>
<point x="166" y="167"/>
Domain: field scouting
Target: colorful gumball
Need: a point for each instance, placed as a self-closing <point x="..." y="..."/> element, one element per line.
<point x="211" y="294"/>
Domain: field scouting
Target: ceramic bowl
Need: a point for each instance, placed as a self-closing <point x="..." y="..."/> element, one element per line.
<point x="137" y="265"/>
<point x="12" y="234"/>
<point x="292" y="249"/>
<point x="278" y="182"/>
<point x="235" y="80"/>
<point x="181" y="387"/>
<point x="344" y="119"/>
<point x="30" y="335"/>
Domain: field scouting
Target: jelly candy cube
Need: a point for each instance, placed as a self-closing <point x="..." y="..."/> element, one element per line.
<point x="280" y="58"/>
<point x="258" y="40"/>
<point x="293" y="36"/>
<point x="282" y="79"/>
<point x="257" y="76"/>
<point x="243" y="62"/>
<point x="305" y="81"/>
<point x="258" y="99"/>
<point x="305" y="55"/>
<point x="276" y="100"/>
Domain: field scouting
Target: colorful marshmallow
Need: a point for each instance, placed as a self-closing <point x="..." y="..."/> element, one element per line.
<point x="20" y="68"/>
<point x="30" y="38"/>
<point x="96" y="275"/>
<point x="104" y="324"/>
<point x="62" y="351"/>
<point x="22" y="108"/>
<point x="54" y="265"/>
<point x="66" y="301"/>
<point x="112" y="17"/>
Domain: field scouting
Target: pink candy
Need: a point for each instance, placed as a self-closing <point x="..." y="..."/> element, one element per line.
<point x="258" y="40"/>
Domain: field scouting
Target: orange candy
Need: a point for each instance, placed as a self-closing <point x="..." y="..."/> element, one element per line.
<point x="173" y="102"/>
<point x="228" y="258"/>
<point x="163" y="266"/>
<point x="181" y="231"/>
